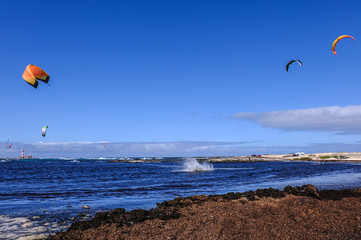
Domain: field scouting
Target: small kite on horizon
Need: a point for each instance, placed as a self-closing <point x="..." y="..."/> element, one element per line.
<point x="43" y="131"/>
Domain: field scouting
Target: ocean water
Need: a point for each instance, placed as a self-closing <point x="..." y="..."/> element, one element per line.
<point x="39" y="197"/>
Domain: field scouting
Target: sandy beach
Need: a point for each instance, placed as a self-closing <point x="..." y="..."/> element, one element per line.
<point x="294" y="213"/>
<point x="318" y="157"/>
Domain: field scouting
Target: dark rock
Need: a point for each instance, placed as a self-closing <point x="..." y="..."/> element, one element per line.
<point x="339" y="194"/>
<point x="117" y="211"/>
<point x="84" y="225"/>
<point x="100" y="215"/>
<point x="270" y="192"/>
<point x="305" y="190"/>
<point x="310" y="191"/>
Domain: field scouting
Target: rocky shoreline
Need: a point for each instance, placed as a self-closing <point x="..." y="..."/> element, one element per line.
<point x="294" y="213"/>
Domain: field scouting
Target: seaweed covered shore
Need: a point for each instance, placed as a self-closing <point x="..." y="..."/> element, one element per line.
<point x="294" y="213"/>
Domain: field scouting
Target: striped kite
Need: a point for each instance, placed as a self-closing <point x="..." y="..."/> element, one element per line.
<point x="337" y="40"/>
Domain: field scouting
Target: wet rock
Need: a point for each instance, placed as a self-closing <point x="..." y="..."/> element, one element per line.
<point x="81" y="214"/>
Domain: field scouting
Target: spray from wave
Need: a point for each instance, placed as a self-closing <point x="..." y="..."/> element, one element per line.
<point x="192" y="165"/>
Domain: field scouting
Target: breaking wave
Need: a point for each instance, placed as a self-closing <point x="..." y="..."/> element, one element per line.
<point x="192" y="165"/>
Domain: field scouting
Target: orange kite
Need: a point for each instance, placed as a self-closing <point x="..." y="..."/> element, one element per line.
<point x="33" y="73"/>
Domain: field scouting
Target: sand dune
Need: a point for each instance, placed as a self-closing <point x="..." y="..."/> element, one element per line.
<point x="327" y="156"/>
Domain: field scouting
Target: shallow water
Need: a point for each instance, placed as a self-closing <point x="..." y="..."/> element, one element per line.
<point x="42" y="196"/>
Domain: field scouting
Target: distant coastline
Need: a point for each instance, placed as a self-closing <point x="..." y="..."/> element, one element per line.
<point x="316" y="157"/>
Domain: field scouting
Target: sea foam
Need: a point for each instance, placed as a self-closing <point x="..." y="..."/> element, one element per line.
<point x="21" y="228"/>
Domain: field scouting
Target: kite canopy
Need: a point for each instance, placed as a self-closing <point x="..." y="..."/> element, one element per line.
<point x="43" y="131"/>
<point x="337" y="40"/>
<point x="292" y="61"/>
<point x="33" y="73"/>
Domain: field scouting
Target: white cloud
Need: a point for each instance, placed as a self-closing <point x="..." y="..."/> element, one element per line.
<point x="122" y="149"/>
<point x="344" y="120"/>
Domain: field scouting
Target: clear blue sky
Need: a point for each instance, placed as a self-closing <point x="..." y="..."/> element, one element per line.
<point x="170" y="71"/>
